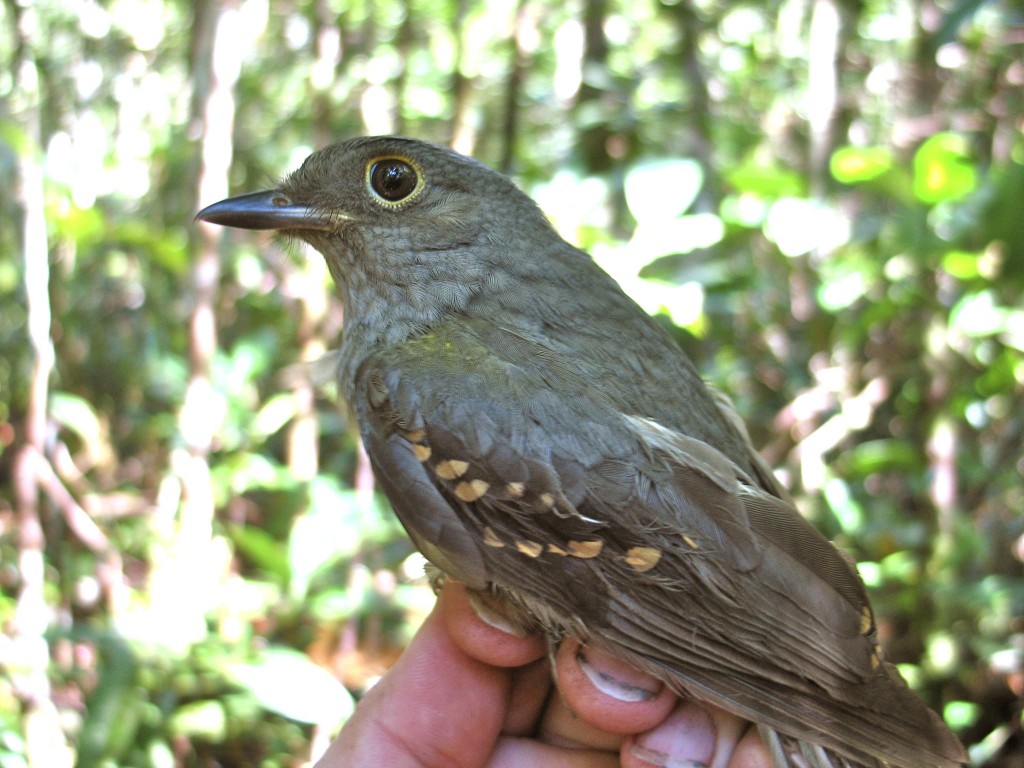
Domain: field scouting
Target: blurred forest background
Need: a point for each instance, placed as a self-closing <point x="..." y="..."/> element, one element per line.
<point x="825" y="198"/>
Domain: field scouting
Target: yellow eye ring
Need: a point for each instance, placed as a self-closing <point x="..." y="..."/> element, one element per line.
<point x="393" y="181"/>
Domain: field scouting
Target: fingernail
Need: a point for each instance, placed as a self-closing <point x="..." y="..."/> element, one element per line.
<point x="616" y="678"/>
<point x="686" y="739"/>
<point x="490" y="613"/>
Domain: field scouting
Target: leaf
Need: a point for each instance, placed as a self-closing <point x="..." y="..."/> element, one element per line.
<point x="200" y="719"/>
<point x="884" y="455"/>
<point x="852" y="165"/>
<point x="798" y="226"/>
<point x="328" y="531"/>
<point x="262" y="549"/>
<point x="962" y="265"/>
<point x="113" y="709"/>
<point x="288" y="683"/>
<point x="655" y="239"/>
<point x="769" y="181"/>
<point x="953" y="19"/>
<point x="978" y="315"/>
<point x="961" y="714"/>
<point x="274" y="414"/>
<point x="943" y="170"/>
<point x="77" y="414"/>
<point x="662" y="189"/>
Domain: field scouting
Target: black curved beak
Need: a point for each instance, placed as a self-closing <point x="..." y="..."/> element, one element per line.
<point x="269" y="209"/>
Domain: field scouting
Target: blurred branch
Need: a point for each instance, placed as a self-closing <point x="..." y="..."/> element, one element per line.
<point x="45" y="741"/>
<point x="181" y="577"/>
<point x="823" y="61"/>
<point x="78" y="520"/>
<point x="855" y="413"/>
<point x="522" y="28"/>
<point x="592" y="142"/>
<point x="699" y="108"/>
<point x="463" y="133"/>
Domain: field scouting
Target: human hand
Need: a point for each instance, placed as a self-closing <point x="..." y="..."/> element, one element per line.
<point x="465" y="694"/>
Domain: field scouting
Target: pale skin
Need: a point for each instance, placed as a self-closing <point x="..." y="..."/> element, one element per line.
<point x="465" y="694"/>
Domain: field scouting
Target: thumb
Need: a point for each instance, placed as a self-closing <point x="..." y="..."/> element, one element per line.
<point x="436" y="707"/>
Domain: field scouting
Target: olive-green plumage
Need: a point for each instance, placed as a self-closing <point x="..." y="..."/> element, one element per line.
<point x="541" y="438"/>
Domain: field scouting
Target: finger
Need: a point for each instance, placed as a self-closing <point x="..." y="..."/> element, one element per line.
<point x="531" y="690"/>
<point x="694" y="734"/>
<point x="750" y="752"/>
<point x="563" y="727"/>
<point x="437" y="706"/>
<point x="531" y="679"/>
<point x="515" y="753"/>
<point x="481" y="640"/>
<point x="605" y="693"/>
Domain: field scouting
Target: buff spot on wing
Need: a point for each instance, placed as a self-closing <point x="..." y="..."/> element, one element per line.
<point x="451" y="469"/>
<point x="557" y="550"/>
<point x="472" y="490"/>
<point x="516" y="490"/>
<point x="642" y="558"/>
<point x="585" y="549"/>
<point x="547" y="499"/>
<point x="867" y="620"/>
<point x="491" y="538"/>
<point x="530" y="548"/>
<point x="421" y="452"/>
<point x="416" y="435"/>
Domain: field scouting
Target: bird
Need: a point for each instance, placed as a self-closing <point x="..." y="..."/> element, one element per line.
<point x="547" y="442"/>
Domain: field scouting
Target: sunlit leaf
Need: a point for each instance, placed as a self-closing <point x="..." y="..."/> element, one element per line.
<point x="978" y="315"/>
<point x="288" y="683"/>
<point x="274" y="414"/>
<point x="900" y="567"/>
<point x="842" y="291"/>
<point x="746" y="209"/>
<point x="953" y="18"/>
<point x="336" y="604"/>
<point x="653" y="239"/>
<point x="852" y="165"/>
<point x="942" y="654"/>
<point x="262" y="549"/>
<point x="331" y="529"/>
<point x="661" y="190"/>
<point x="768" y="181"/>
<point x="798" y="226"/>
<point x="870" y="573"/>
<point x="912" y="673"/>
<point x="78" y="415"/>
<point x="200" y="719"/>
<point x="160" y="754"/>
<point x="846" y="509"/>
<point x="962" y="265"/>
<point x="884" y="455"/>
<point x="85" y="225"/>
<point x="246" y="471"/>
<point x="114" y="706"/>
<point x="943" y="169"/>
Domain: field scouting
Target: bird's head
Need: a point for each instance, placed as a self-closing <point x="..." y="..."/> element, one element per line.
<point x="406" y="227"/>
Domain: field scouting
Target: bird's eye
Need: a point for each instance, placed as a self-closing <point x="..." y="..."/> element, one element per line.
<point x="393" y="180"/>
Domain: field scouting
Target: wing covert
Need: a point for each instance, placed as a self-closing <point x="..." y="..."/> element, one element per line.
<point x="673" y="554"/>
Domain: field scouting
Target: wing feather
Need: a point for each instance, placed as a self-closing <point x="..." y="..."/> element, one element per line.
<point x="677" y="557"/>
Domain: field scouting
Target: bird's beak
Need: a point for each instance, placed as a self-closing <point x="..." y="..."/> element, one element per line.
<point x="270" y="209"/>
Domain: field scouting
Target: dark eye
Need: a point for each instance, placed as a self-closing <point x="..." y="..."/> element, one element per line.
<point x="393" y="179"/>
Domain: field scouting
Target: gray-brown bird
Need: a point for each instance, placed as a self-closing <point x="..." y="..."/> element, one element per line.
<point x="545" y="441"/>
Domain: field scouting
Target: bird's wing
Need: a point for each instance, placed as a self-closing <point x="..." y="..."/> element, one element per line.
<point x="675" y="557"/>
